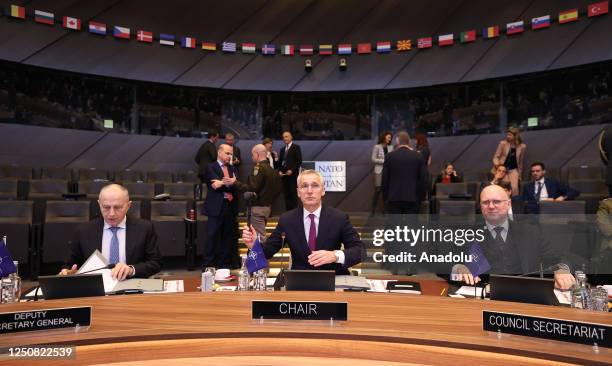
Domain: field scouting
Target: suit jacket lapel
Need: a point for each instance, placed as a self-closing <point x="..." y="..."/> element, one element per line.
<point x="299" y="219"/>
<point x="522" y="246"/>
<point x="322" y="229"/>
<point x="129" y="238"/>
<point x="98" y="234"/>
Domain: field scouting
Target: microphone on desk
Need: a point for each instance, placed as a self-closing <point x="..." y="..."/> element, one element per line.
<point x="461" y="269"/>
<point x="554" y="267"/>
<point x="108" y="266"/>
<point x="280" y="279"/>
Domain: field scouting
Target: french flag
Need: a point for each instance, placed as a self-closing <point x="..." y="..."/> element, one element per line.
<point x="121" y="32"/>
<point x="188" y="42"/>
<point x="97" y="28"/>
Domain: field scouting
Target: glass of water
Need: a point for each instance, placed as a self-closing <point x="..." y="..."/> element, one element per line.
<point x="599" y="299"/>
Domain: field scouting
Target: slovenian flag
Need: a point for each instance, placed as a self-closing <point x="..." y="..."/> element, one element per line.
<point x="256" y="258"/>
<point x="540" y="22"/>
<point x="6" y="262"/>
<point x="383" y="47"/>
<point x="268" y="49"/>
<point x="97" y="28"/>
<point x="44" y="17"/>
<point x="121" y="32"/>
<point x="71" y="23"/>
<point x="188" y="42"/>
<point x="345" y="49"/>
<point x="514" y="28"/>
<point x="446" y="40"/>
<point x="166" y="39"/>
<point x="288" y="50"/>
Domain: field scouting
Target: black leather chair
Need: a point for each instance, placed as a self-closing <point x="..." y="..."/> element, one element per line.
<point x="160" y="177"/>
<point x="56" y="173"/>
<point x="129" y="175"/>
<point x="16" y="224"/>
<point x="94" y="174"/>
<point x="61" y="220"/>
<point x="179" y="191"/>
<point x="8" y="189"/>
<point x="456" y="212"/>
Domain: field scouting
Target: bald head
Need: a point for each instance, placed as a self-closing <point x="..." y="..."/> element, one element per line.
<point x="259" y="153"/>
<point x="494" y="204"/>
<point x="114" y="202"/>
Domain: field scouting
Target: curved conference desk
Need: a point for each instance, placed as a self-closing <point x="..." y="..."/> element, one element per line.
<point x="383" y="329"/>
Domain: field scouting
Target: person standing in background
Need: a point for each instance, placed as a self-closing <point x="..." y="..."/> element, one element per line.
<point x="207" y="154"/>
<point x="511" y="153"/>
<point x="289" y="163"/>
<point x="422" y="146"/>
<point x="271" y="155"/>
<point x="379" y="152"/>
<point x="230" y="139"/>
<point x="605" y="151"/>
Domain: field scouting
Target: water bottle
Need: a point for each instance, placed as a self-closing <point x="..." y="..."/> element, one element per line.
<point x="244" y="280"/>
<point x="581" y="293"/>
<point x="208" y="281"/>
<point x="11" y="287"/>
<point x="259" y="282"/>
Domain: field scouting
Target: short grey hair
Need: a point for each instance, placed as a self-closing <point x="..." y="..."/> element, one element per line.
<point x="115" y="186"/>
<point x="310" y="172"/>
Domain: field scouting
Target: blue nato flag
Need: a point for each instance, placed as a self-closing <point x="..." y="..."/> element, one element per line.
<point x="256" y="259"/>
<point x="6" y="261"/>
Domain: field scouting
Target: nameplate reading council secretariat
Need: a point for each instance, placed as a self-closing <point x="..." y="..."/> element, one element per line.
<point x="300" y="310"/>
<point x="22" y="321"/>
<point x="549" y="328"/>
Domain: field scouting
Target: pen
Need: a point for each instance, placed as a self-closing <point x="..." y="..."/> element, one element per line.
<point x="443" y="290"/>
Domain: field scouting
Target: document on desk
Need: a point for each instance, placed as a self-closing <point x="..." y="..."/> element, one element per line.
<point x="352" y="282"/>
<point x="96" y="263"/>
<point x="564" y="297"/>
<point x="469" y="291"/>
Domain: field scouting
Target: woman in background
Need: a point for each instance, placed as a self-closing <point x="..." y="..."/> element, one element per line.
<point x="511" y="153"/>
<point x="379" y="152"/>
<point x="422" y="146"/>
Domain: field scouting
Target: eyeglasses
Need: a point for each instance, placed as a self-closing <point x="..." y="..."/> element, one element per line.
<point x="313" y="186"/>
<point x="495" y="203"/>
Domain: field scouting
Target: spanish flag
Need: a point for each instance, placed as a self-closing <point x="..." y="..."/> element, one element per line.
<point x="18" y="12"/>
<point x="568" y="16"/>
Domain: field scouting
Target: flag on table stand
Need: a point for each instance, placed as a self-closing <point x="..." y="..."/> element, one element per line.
<point x="598" y="9"/>
<point x="364" y="48"/>
<point x="479" y="263"/>
<point x="568" y="16"/>
<point x="404" y="45"/>
<point x="256" y="259"/>
<point x="44" y="17"/>
<point x="144" y="36"/>
<point x="540" y="22"/>
<point x="467" y="36"/>
<point x="18" y="12"/>
<point x="71" y="23"/>
<point x="6" y="261"/>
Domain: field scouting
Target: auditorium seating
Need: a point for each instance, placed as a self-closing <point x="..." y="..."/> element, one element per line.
<point x="456" y="212"/>
<point x="168" y="220"/>
<point x="179" y="191"/>
<point x="187" y="177"/>
<point x="56" y="173"/>
<point x="61" y="221"/>
<point x="94" y="174"/>
<point x="16" y="171"/>
<point x="562" y="212"/>
<point x="16" y="224"/>
<point x="129" y="175"/>
<point x="8" y="189"/>
<point x="159" y="177"/>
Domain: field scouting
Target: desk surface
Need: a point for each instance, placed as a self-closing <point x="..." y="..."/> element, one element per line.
<point x="381" y="328"/>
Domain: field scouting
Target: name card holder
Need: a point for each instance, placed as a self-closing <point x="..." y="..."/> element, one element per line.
<point x="77" y="319"/>
<point x="299" y="310"/>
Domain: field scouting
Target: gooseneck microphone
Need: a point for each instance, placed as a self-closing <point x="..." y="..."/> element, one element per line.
<point x="109" y="266"/>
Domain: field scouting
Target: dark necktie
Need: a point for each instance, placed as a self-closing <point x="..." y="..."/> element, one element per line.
<point x="312" y="233"/>
<point x="538" y="191"/>
<point x="498" y="234"/>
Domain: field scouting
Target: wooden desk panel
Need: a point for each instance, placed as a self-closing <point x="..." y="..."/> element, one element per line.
<point x="386" y="327"/>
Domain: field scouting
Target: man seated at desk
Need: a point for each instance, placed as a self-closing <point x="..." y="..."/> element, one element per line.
<point x="127" y="242"/>
<point x="314" y="232"/>
<point x="513" y="247"/>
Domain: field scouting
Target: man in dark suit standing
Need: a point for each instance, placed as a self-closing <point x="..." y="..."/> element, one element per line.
<point x="314" y="233"/>
<point x="542" y="188"/>
<point x="289" y="162"/>
<point x="404" y="178"/>
<point x="207" y="154"/>
<point x="220" y="249"/>
<point x="513" y="247"/>
<point x="127" y="242"/>
<point x="230" y="139"/>
<point x="605" y="150"/>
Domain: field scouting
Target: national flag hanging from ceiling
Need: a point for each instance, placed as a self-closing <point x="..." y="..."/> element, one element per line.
<point x="44" y="17"/>
<point x="18" y="12"/>
<point x="287" y="50"/>
<point x="424" y="42"/>
<point x="306" y="49"/>
<point x="97" y="28"/>
<point x="467" y="36"/>
<point x="188" y="42"/>
<point x="144" y="36"/>
<point x="446" y="40"/>
<point x="404" y="45"/>
<point x="325" y="49"/>
<point x="568" y="16"/>
<point x="71" y="23"/>
<point x="383" y="47"/>
<point x="345" y="49"/>
<point x="515" y="27"/>
<point x="364" y="48"/>
<point x="490" y="32"/>
<point x="209" y="46"/>
<point x="540" y="22"/>
<point x="596" y="9"/>
<point x="121" y="32"/>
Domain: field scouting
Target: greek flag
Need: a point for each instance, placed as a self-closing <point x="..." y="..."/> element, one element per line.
<point x="6" y="261"/>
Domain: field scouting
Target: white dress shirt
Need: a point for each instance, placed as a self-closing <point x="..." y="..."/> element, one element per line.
<point x="544" y="192"/>
<point x="339" y="254"/>
<point x="504" y="233"/>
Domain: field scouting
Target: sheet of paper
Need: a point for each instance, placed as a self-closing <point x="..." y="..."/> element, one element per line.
<point x="170" y="287"/>
<point x="564" y="297"/>
<point x="378" y="285"/>
<point x="470" y="291"/>
<point x="609" y="289"/>
<point x="93" y="264"/>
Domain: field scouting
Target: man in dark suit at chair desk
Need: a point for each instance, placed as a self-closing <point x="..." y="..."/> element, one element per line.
<point x="314" y="233"/>
<point x="129" y="243"/>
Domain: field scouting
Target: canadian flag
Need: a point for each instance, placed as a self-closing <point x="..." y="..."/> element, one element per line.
<point x="72" y="23"/>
